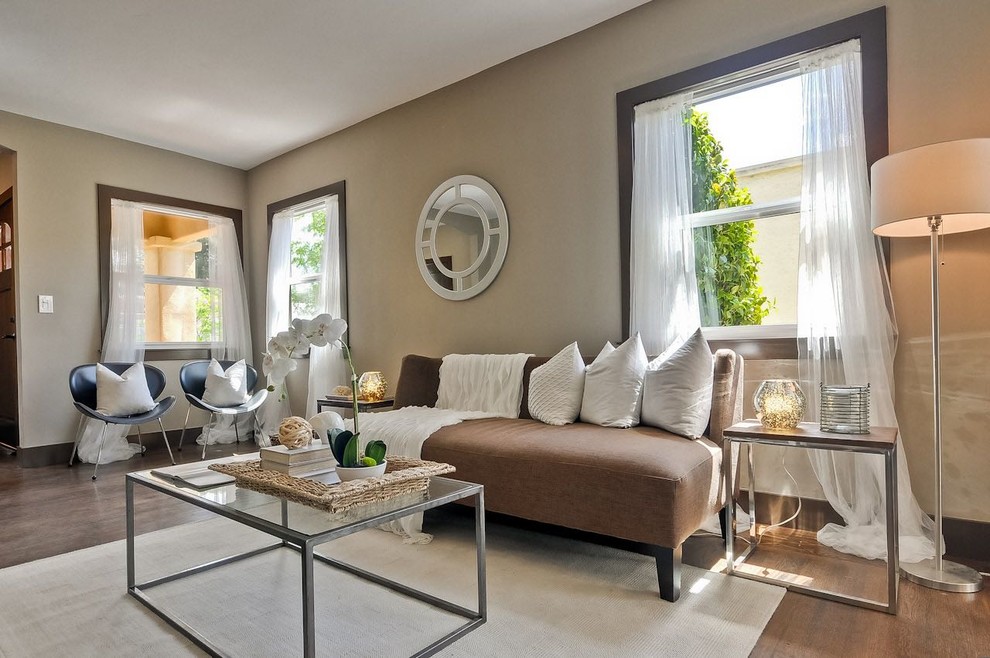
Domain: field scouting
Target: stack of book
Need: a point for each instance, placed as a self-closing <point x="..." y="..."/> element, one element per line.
<point x="314" y="459"/>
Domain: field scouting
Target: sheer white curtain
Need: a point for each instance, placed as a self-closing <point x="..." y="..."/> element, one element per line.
<point x="663" y="287"/>
<point x="327" y="366"/>
<point x="845" y="327"/>
<point x="226" y="274"/>
<point x="275" y="407"/>
<point x="124" y="336"/>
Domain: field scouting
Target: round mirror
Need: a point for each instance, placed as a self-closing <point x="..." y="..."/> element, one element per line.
<point x="462" y="237"/>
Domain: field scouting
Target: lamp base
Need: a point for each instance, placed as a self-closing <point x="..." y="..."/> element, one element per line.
<point x="953" y="577"/>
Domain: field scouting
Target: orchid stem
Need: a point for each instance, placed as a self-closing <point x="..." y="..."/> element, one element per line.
<point x="354" y="389"/>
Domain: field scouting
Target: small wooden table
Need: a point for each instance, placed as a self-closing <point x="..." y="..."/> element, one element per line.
<point x="335" y="401"/>
<point x="880" y="440"/>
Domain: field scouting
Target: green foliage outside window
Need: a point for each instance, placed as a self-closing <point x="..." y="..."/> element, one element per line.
<point x="726" y="265"/>
<point x="305" y="256"/>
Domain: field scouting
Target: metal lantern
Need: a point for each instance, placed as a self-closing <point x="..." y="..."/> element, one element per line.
<point x="845" y="409"/>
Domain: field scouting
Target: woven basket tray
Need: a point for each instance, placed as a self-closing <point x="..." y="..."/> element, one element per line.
<point x="403" y="475"/>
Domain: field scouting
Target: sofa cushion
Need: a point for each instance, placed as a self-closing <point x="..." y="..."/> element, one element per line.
<point x="641" y="484"/>
<point x="677" y="388"/>
<point x="613" y="385"/>
<point x="556" y="388"/>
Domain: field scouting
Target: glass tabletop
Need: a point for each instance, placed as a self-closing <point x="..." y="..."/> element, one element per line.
<point x="288" y="520"/>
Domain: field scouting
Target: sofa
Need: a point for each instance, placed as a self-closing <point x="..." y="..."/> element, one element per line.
<point x="641" y="484"/>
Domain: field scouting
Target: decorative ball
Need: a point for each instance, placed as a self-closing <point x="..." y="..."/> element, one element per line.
<point x="295" y="432"/>
<point x="341" y="391"/>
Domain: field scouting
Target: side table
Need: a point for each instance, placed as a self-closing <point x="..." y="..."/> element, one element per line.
<point x="880" y="440"/>
<point x="334" y="401"/>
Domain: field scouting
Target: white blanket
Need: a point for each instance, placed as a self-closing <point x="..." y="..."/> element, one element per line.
<point x="482" y="382"/>
<point x="405" y="431"/>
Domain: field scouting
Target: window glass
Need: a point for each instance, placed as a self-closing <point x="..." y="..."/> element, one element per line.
<point x="179" y="258"/>
<point x="309" y="226"/>
<point x="746" y="166"/>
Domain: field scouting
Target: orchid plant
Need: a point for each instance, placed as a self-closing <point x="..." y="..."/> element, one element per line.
<point x="287" y="346"/>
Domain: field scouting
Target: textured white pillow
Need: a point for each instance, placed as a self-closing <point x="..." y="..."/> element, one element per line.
<point x="612" y="385"/>
<point x="226" y="388"/>
<point x="556" y="387"/>
<point x="122" y="395"/>
<point x="677" y="388"/>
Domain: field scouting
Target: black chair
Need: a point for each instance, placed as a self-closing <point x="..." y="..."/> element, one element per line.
<point x="192" y="378"/>
<point x="82" y="386"/>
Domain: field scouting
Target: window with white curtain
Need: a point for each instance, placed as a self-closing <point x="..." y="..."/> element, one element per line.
<point x="192" y="299"/>
<point x="743" y="118"/>
<point x="307" y="276"/>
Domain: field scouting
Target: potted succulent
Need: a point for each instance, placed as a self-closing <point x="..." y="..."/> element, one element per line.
<point x="353" y="465"/>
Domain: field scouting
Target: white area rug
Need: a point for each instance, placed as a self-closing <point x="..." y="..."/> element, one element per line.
<point x="547" y="596"/>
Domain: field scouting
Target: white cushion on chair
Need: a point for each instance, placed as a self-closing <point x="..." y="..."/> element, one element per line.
<point x="122" y="395"/>
<point x="226" y="388"/>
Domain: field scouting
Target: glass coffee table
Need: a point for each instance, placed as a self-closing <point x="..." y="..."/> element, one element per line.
<point x="300" y="529"/>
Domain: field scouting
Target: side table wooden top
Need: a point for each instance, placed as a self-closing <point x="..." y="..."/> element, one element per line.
<point x="879" y="438"/>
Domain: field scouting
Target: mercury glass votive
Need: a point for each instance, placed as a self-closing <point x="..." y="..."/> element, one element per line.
<point x="779" y="403"/>
<point x="372" y="386"/>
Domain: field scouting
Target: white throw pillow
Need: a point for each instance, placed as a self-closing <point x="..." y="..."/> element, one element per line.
<point x="612" y="385"/>
<point x="226" y="388"/>
<point x="677" y="388"/>
<point x="556" y="388"/>
<point x="122" y="395"/>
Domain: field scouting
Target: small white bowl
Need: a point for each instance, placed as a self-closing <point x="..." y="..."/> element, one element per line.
<point x="358" y="472"/>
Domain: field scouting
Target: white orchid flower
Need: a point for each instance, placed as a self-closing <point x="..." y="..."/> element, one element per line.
<point x="280" y="369"/>
<point x="276" y="349"/>
<point x="298" y="341"/>
<point x="334" y="330"/>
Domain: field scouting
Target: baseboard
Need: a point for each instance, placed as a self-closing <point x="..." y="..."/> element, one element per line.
<point x="59" y="453"/>
<point x="964" y="539"/>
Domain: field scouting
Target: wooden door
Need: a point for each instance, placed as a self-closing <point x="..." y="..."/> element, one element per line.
<point x="8" y="344"/>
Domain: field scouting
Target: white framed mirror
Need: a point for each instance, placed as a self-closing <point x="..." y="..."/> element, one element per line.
<point x="462" y="237"/>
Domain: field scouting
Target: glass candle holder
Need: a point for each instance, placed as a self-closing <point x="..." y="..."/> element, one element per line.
<point x="779" y="403"/>
<point x="372" y="386"/>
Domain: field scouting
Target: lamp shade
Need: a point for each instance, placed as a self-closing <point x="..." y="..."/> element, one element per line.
<point x="948" y="179"/>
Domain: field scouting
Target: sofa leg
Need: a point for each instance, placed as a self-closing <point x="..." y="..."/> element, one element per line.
<point x="723" y="520"/>
<point x="668" y="572"/>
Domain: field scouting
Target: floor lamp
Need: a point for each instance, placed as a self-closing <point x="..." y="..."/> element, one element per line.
<point x="939" y="188"/>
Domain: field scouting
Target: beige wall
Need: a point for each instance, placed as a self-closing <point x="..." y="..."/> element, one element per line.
<point x="541" y="129"/>
<point x="58" y="169"/>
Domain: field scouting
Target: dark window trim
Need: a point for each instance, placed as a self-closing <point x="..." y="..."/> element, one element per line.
<point x="869" y="27"/>
<point x="337" y="189"/>
<point x="104" y="195"/>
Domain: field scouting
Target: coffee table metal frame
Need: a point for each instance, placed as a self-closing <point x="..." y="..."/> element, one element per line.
<point x="880" y="441"/>
<point x="304" y="544"/>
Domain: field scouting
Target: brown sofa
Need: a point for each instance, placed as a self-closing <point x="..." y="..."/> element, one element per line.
<point x="641" y="484"/>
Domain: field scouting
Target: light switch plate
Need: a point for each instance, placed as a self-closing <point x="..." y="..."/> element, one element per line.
<point x="46" y="304"/>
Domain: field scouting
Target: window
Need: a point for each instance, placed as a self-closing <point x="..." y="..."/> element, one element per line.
<point x="309" y="224"/>
<point x="183" y="255"/>
<point x="183" y="301"/>
<point x="746" y="165"/>
<point x="303" y="280"/>
<point x="746" y="201"/>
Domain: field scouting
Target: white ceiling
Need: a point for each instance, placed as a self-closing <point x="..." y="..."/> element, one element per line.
<point x="241" y="81"/>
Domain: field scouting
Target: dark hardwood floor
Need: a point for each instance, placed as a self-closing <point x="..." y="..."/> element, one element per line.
<point x="53" y="510"/>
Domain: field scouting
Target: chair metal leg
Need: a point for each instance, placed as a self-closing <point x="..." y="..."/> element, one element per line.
<point x="165" y="438"/>
<point x="237" y="434"/>
<point x="254" y="428"/>
<point x="75" y="446"/>
<point x="140" y="442"/>
<point x="99" y="454"/>
<point x="183" y="435"/>
<point x="206" y="435"/>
